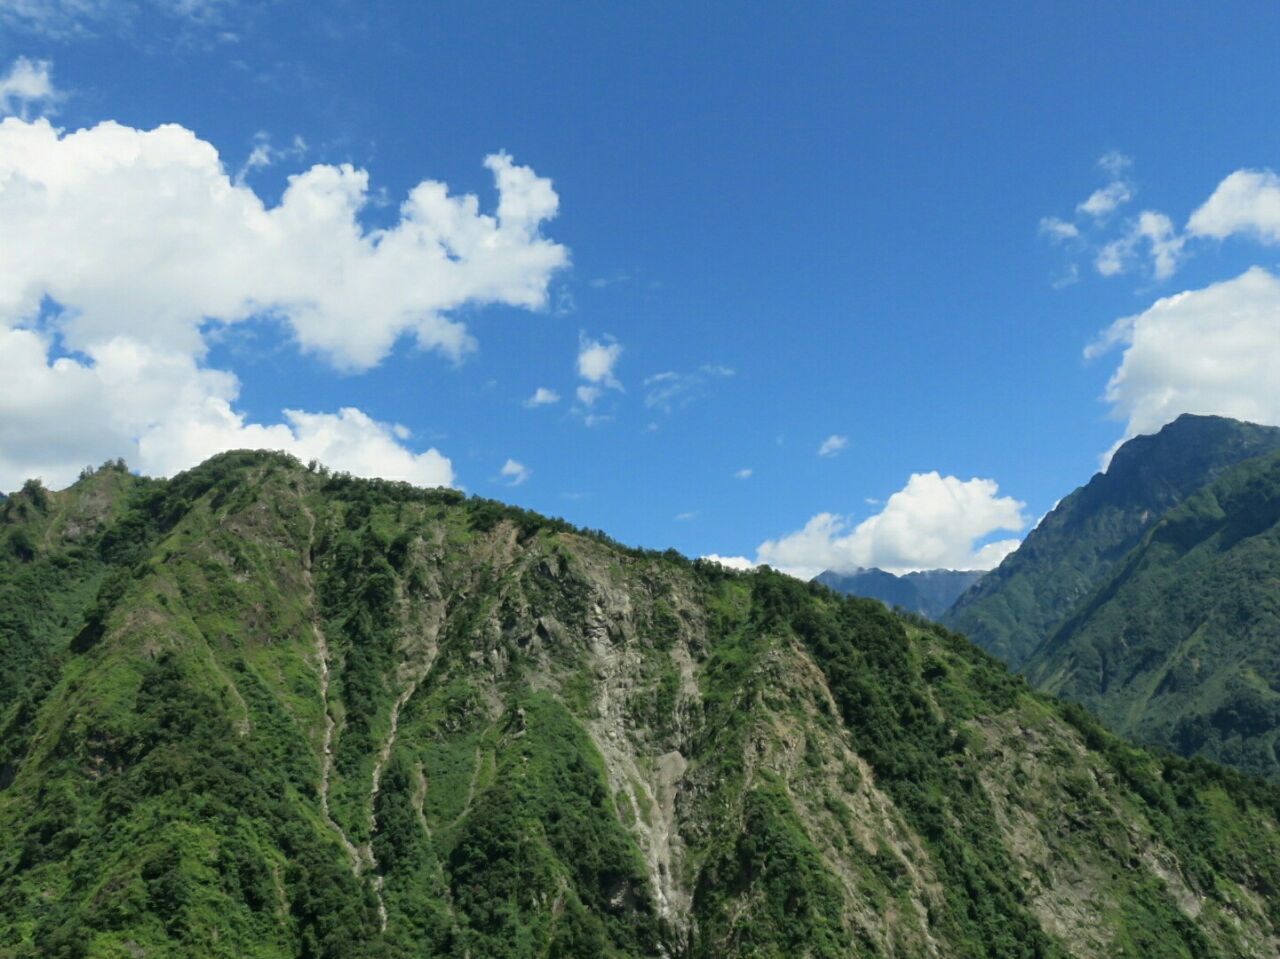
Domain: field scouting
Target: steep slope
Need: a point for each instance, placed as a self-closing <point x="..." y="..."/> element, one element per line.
<point x="1181" y="644"/>
<point x="305" y="715"/>
<point x="1063" y="560"/>
<point x="929" y="592"/>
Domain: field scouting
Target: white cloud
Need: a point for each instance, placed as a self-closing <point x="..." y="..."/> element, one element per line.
<point x="143" y="233"/>
<point x="833" y="444"/>
<point x="124" y="249"/>
<point x="745" y="473"/>
<point x="933" y="522"/>
<point x="685" y="517"/>
<point x="670" y="390"/>
<point x="265" y="154"/>
<point x="596" y="360"/>
<point x="1164" y="243"/>
<point x="730" y="562"/>
<point x="28" y="83"/>
<point x="1058" y="229"/>
<point x="1106" y="199"/>
<point x="1247" y="201"/>
<point x="515" y="472"/>
<point x="1161" y="239"/>
<point x="587" y="395"/>
<point x="165" y="413"/>
<point x="542" y="397"/>
<point x="62" y="19"/>
<point x="1114" y="163"/>
<point x="1215" y="351"/>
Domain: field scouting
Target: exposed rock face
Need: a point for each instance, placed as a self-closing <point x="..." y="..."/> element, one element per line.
<point x="325" y="717"/>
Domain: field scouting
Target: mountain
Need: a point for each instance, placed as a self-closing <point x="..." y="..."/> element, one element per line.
<point x="1077" y="545"/>
<point x="927" y="592"/>
<point x="1180" y="646"/>
<point x="259" y="710"/>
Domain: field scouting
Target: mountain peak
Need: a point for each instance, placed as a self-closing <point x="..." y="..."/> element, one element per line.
<point x="1026" y="599"/>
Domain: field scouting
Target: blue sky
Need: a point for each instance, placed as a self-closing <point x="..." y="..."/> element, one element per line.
<point x="774" y="224"/>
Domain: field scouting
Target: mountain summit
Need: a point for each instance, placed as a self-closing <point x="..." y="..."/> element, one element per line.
<point x="261" y="710"/>
<point x="1075" y="547"/>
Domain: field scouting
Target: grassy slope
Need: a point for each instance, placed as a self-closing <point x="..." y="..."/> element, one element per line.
<point x="1181" y="646"/>
<point x="578" y="750"/>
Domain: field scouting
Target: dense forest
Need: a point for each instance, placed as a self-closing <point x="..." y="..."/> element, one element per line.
<point x="264" y="710"/>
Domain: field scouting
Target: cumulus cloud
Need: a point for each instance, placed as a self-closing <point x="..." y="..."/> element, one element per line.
<point x="933" y="522"/>
<point x="1214" y="350"/>
<point x="166" y="413"/>
<point x="745" y="473"/>
<point x="730" y="562"/>
<point x="1247" y="201"/>
<point x="143" y="233"/>
<point x="833" y="444"/>
<point x="514" y="472"/>
<point x="124" y="249"/>
<point x="28" y="83"/>
<point x="596" y="360"/>
<point x="542" y="397"/>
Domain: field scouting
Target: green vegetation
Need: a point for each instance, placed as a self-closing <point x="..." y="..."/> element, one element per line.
<point x="263" y="710"/>
<point x="1197" y="606"/>
<point x="1016" y="607"/>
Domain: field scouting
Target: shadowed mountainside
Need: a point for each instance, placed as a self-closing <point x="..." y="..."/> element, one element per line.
<point x="929" y="592"/>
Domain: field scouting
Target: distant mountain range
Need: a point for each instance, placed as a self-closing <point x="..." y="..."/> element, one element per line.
<point x="1152" y="594"/>
<point x="928" y="592"/>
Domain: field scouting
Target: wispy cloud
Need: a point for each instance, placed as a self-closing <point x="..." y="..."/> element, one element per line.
<point x="67" y="19"/>
<point x="264" y="154"/>
<point x="542" y="396"/>
<point x="514" y="472"/>
<point x="27" y="85"/>
<point x="1146" y="242"/>
<point x="670" y="390"/>
<point x="833" y="445"/>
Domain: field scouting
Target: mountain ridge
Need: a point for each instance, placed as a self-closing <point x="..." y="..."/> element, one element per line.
<point x="929" y="592"/>
<point x="1029" y="595"/>
<point x="271" y="711"/>
<point x="1196" y="603"/>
